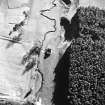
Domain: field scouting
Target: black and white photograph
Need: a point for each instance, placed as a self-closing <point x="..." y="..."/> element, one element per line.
<point x="52" y="52"/>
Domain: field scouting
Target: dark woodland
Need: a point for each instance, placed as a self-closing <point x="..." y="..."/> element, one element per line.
<point x="80" y="74"/>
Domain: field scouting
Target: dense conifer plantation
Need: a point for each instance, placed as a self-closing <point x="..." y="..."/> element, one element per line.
<point x="80" y="74"/>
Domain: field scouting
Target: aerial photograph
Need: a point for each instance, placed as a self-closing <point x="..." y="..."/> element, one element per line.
<point x="52" y="52"/>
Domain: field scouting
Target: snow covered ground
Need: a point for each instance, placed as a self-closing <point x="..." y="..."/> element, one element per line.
<point x="10" y="69"/>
